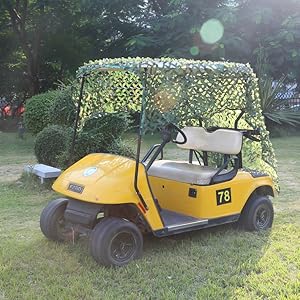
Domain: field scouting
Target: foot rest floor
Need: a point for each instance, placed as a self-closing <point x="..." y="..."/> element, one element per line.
<point x="171" y="219"/>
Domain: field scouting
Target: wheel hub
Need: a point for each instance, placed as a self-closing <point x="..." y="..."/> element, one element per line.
<point x="262" y="217"/>
<point x="122" y="246"/>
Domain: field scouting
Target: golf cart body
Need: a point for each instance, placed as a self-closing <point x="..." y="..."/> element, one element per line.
<point x="114" y="199"/>
<point x="184" y="188"/>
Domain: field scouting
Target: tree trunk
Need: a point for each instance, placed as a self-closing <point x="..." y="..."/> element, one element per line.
<point x="18" y="17"/>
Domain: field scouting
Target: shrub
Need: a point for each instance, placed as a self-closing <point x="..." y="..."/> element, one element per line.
<point x="63" y="109"/>
<point x="37" y="111"/>
<point x="282" y="130"/>
<point x="276" y="111"/>
<point x="102" y="133"/>
<point x="89" y="142"/>
<point x="118" y="147"/>
<point x="52" y="143"/>
<point x="114" y="124"/>
<point x="50" y="108"/>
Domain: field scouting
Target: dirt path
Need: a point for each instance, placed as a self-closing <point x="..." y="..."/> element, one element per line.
<point x="10" y="172"/>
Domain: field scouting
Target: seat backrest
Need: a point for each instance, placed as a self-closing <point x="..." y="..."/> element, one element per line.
<point x="223" y="141"/>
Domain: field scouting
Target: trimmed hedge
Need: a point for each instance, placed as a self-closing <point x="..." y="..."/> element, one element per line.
<point x="51" y="144"/>
<point x="37" y="115"/>
<point x="111" y="125"/>
<point x="101" y="133"/>
<point x="63" y="109"/>
<point x="51" y="108"/>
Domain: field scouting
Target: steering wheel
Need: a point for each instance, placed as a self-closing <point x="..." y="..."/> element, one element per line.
<point x="169" y="128"/>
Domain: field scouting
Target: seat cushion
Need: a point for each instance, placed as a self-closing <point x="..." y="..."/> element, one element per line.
<point x="183" y="171"/>
<point x="224" y="141"/>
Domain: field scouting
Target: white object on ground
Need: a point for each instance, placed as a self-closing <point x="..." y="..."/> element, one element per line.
<point x="44" y="171"/>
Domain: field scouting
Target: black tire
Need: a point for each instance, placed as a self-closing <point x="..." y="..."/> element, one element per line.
<point x="52" y="221"/>
<point x="115" y="242"/>
<point x="258" y="214"/>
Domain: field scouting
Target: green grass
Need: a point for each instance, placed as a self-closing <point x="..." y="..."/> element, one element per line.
<point x="14" y="150"/>
<point x="220" y="263"/>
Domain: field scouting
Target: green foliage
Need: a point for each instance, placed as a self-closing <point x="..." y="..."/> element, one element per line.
<point x="71" y="32"/>
<point x="267" y="25"/>
<point x="32" y="182"/>
<point x="174" y="29"/>
<point x="52" y="142"/>
<point x="275" y="109"/>
<point x="67" y="33"/>
<point x="119" y="147"/>
<point x="37" y="111"/>
<point x="109" y="124"/>
<point x="89" y="142"/>
<point x="12" y="59"/>
<point x="63" y="110"/>
<point x="284" y="131"/>
<point x="102" y="133"/>
<point x="51" y="108"/>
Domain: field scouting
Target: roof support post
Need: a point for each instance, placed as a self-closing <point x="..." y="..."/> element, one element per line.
<point x="77" y="119"/>
<point x="140" y="132"/>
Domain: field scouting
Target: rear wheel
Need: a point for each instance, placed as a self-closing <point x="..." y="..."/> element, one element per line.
<point x="258" y="214"/>
<point x="52" y="221"/>
<point x="115" y="242"/>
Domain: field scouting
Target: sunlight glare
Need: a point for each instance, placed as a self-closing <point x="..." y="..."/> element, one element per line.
<point x="211" y="31"/>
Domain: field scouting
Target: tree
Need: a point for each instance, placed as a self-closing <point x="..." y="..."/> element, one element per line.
<point x="173" y="29"/>
<point x="29" y="35"/>
<point x="271" y="26"/>
<point x="55" y="37"/>
<point x="45" y="41"/>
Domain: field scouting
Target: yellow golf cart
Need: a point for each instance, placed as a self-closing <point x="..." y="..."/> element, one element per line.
<point x="114" y="200"/>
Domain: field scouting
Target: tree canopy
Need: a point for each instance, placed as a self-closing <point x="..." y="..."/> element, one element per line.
<point x="44" y="42"/>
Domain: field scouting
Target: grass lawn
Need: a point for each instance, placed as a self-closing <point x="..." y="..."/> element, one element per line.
<point x="219" y="263"/>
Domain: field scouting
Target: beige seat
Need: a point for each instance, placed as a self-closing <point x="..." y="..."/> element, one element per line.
<point x="182" y="172"/>
<point x="224" y="141"/>
<point x="221" y="141"/>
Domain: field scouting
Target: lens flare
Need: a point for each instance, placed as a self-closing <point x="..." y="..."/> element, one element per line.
<point x="194" y="51"/>
<point x="164" y="101"/>
<point x="211" y="31"/>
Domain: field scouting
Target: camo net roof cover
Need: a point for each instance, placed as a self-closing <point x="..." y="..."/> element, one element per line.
<point x="184" y="92"/>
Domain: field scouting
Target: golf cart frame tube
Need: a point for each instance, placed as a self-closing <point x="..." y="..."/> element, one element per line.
<point x="148" y="154"/>
<point x="155" y="155"/>
<point x="77" y="117"/>
<point x="138" y="152"/>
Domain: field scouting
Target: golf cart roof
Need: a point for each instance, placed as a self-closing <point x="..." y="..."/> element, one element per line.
<point x="149" y="65"/>
<point x="180" y="91"/>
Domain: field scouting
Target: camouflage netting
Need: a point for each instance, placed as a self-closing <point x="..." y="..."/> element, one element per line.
<point x="184" y="92"/>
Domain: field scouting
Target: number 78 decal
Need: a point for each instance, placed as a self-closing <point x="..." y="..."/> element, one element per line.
<point x="223" y="196"/>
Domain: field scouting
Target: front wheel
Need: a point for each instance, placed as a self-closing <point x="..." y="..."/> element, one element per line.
<point x="52" y="221"/>
<point x="258" y="214"/>
<point x="115" y="242"/>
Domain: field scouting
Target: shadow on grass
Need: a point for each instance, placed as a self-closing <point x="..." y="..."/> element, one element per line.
<point x="211" y="263"/>
<point x="207" y="264"/>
